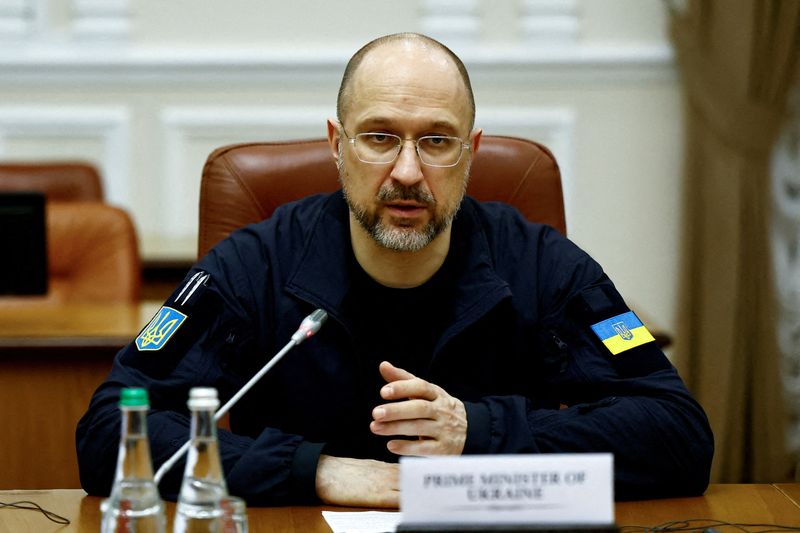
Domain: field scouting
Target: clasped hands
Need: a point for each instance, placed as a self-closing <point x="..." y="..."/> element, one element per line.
<point x="416" y="408"/>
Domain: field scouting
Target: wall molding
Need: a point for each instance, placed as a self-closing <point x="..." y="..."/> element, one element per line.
<point x="101" y="19"/>
<point x="553" y="127"/>
<point x="451" y="21"/>
<point x="110" y="125"/>
<point x="17" y="19"/>
<point x="72" y="64"/>
<point x="549" y="22"/>
<point x="180" y="125"/>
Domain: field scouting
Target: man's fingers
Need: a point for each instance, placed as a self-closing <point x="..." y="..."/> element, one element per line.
<point x="401" y="384"/>
<point x="391" y="373"/>
<point x="407" y="410"/>
<point x="408" y="428"/>
<point x="421" y="409"/>
<point x="420" y="448"/>
<point x="409" y="388"/>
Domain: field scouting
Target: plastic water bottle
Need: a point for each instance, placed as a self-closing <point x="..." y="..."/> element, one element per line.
<point x="134" y="504"/>
<point x="203" y="503"/>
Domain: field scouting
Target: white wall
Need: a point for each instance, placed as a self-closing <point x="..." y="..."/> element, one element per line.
<point x="146" y="88"/>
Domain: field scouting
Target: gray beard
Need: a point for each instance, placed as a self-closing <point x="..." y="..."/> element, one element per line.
<point x="395" y="238"/>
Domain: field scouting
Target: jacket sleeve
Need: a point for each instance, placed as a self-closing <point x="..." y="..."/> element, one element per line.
<point x="204" y="335"/>
<point x="586" y="399"/>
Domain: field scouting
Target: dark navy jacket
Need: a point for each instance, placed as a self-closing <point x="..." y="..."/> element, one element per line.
<point x="518" y="350"/>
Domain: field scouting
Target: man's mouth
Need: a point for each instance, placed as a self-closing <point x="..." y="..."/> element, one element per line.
<point x="406" y="208"/>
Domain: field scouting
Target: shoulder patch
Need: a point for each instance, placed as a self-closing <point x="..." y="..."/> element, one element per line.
<point x="622" y="332"/>
<point x="160" y="329"/>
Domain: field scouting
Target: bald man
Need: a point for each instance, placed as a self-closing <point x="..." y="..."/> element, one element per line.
<point x="455" y="327"/>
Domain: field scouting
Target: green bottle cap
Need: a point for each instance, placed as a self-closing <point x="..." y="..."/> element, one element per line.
<point x="134" y="397"/>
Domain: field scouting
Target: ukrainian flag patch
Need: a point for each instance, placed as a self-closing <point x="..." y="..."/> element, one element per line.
<point x="622" y="332"/>
<point x="160" y="329"/>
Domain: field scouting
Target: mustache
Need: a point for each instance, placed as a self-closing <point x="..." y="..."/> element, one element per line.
<point x="395" y="191"/>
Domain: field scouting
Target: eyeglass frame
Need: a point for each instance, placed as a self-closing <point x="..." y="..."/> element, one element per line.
<point x="401" y="141"/>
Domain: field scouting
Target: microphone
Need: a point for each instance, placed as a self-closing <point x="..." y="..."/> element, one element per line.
<point x="308" y="328"/>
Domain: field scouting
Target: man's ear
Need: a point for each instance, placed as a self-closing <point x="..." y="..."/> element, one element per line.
<point x="334" y="138"/>
<point x="475" y="141"/>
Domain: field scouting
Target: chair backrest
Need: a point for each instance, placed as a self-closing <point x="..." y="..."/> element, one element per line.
<point x="58" y="180"/>
<point x="92" y="253"/>
<point x="244" y="183"/>
<point x="92" y="250"/>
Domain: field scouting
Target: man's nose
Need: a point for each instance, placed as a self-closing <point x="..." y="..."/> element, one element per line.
<point x="407" y="168"/>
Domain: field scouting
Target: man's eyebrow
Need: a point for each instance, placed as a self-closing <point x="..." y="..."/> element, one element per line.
<point x="374" y="121"/>
<point x="443" y="124"/>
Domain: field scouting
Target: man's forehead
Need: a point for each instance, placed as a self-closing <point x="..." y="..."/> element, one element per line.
<point x="421" y="52"/>
<point x="409" y="74"/>
<point x="407" y="58"/>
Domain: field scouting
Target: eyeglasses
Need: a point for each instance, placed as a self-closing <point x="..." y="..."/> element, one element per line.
<point x="382" y="148"/>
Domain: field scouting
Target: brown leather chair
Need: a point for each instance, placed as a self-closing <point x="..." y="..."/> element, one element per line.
<point x="58" y="180"/>
<point x="92" y="249"/>
<point x="244" y="183"/>
<point x="93" y="254"/>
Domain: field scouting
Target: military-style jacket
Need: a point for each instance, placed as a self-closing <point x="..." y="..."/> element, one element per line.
<point x="523" y="348"/>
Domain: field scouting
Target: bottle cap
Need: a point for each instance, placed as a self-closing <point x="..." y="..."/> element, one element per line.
<point x="203" y="398"/>
<point x="134" y="397"/>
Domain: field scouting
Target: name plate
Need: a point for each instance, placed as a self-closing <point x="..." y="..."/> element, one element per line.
<point x="545" y="489"/>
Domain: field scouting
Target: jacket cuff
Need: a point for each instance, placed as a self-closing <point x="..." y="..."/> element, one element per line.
<point x="479" y="425"/>
<point x="304" y="472"/>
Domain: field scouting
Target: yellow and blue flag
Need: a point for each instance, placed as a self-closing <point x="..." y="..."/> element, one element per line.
<point x="622" y="332"/>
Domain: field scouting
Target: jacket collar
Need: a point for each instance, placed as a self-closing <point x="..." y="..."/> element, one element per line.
<point x="323" y="276"/>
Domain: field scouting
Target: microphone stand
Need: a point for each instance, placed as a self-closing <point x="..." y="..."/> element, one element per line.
<point x="310" y="325"/>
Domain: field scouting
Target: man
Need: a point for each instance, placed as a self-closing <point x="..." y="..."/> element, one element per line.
<point x="455" y="327"/>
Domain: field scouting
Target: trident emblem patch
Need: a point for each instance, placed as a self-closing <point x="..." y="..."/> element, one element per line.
<point x="622" y="330"/>
<point x="156" y="334"/>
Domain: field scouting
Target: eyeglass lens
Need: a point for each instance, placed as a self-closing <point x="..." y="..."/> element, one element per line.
<point x="383" y="148"/>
